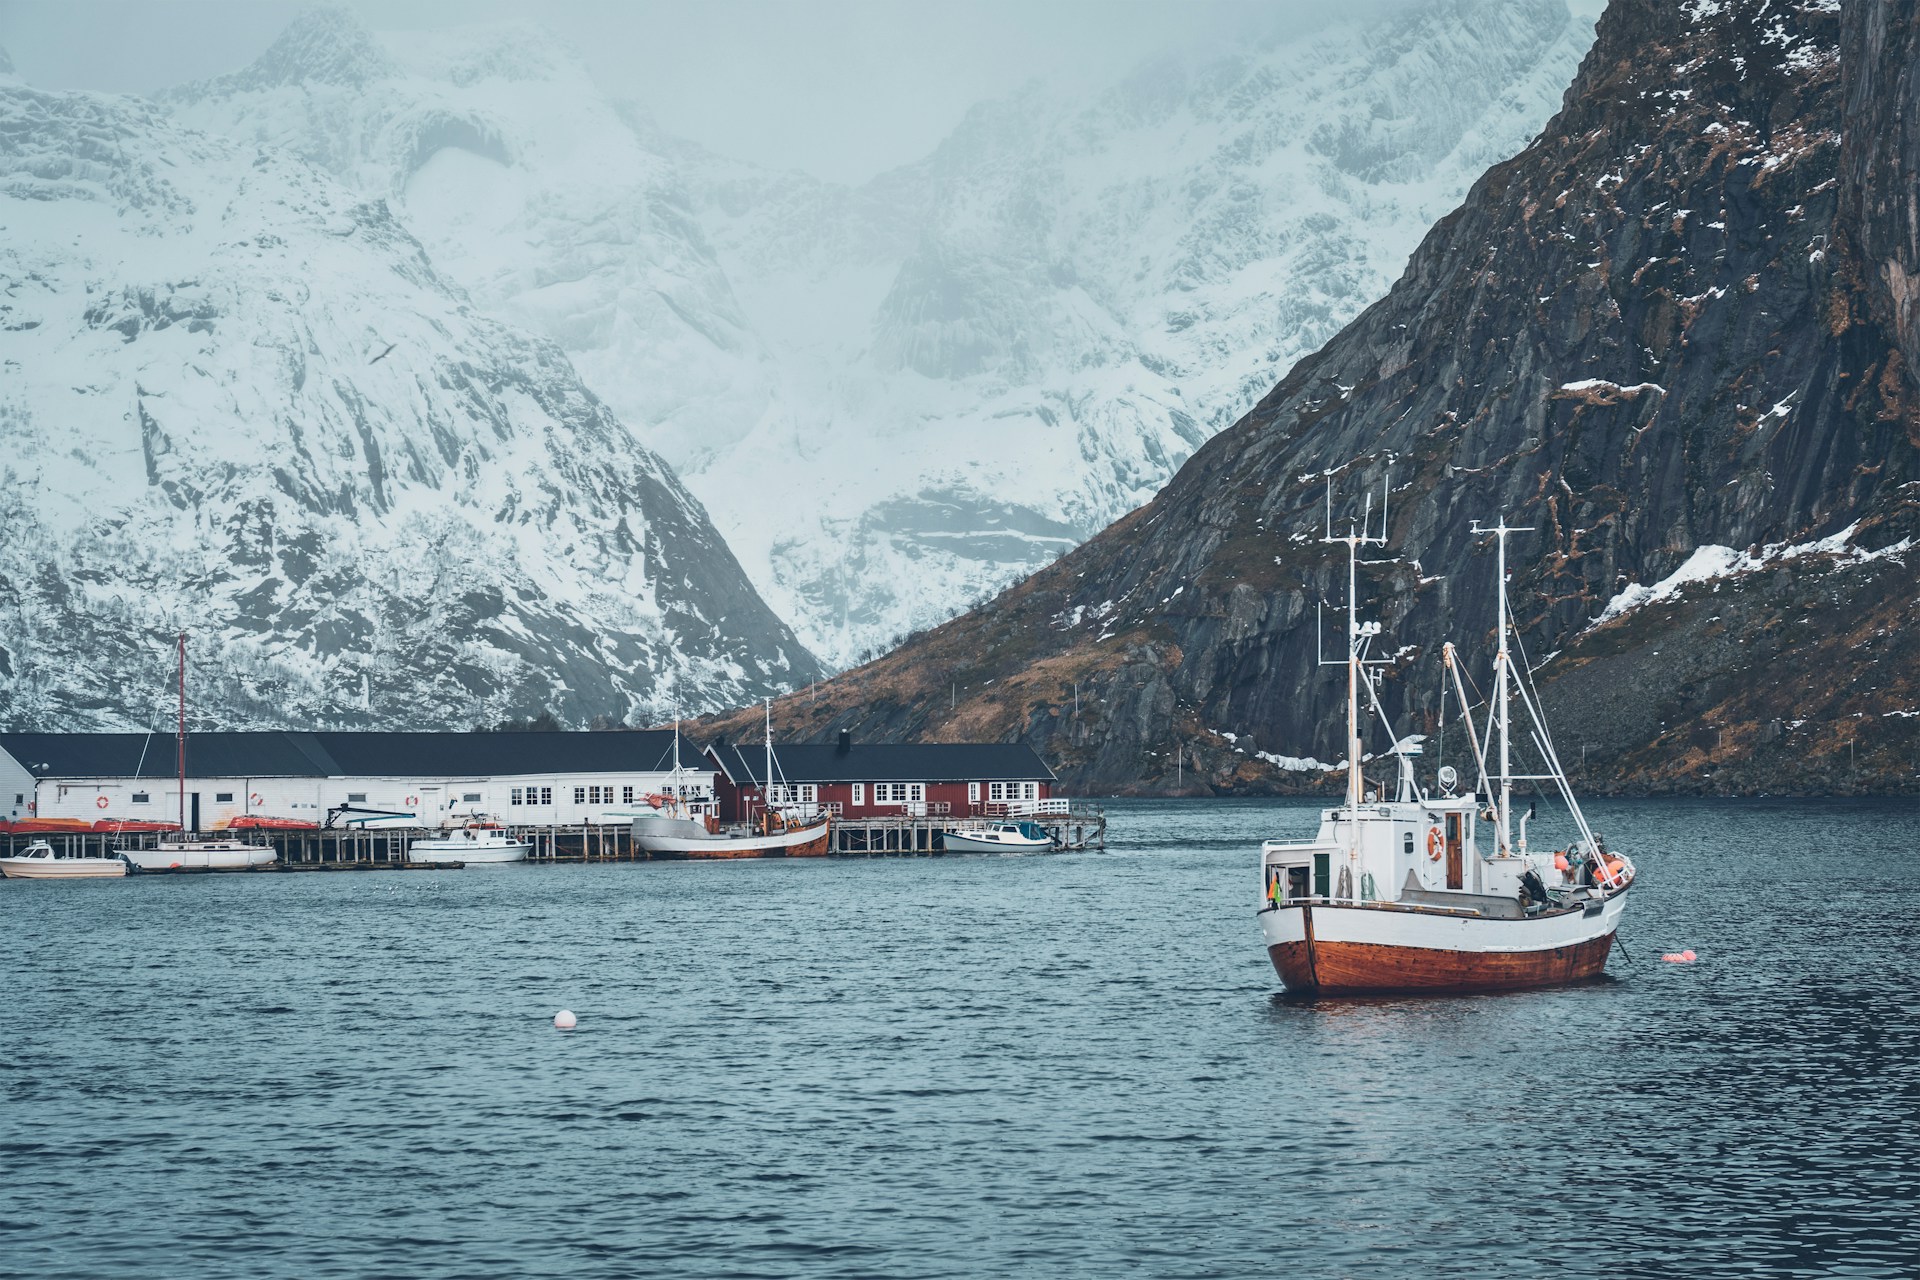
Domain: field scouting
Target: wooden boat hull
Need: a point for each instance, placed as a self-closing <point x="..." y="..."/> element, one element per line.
<point x="1368" y="949"/>
<point x="803" y="842"/>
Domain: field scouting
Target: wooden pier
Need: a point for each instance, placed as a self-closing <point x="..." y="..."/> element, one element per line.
<point x="348" y="849"/>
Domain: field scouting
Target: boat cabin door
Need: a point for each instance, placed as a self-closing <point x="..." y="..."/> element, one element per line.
<point x="1456" y="861"/>
<point x="193" y="814"/>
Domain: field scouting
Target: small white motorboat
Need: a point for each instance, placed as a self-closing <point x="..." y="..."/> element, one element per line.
<point x="999" y="837"/>
<point x="41" y="861"/>
<point x="226" y="854"/>
<point x="476" y="843"/>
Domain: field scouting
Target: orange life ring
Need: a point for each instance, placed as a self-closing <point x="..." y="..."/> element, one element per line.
<point x="1435" y="845"/>
<point x="255" y="799"/>
<point x="413" y="799"/>
<point x="101" y="803"/>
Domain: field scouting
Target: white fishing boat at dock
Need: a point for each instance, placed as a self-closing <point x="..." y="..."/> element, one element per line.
<point x="476" y="842"/>
<point x="41" y="861"/>
<point x="998" y="837"/>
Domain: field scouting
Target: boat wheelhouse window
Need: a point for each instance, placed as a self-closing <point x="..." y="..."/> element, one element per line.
<point x="223" y="797"/>
<point x="470" y="795"/>
<point x="579" y="795"/>
<point x="356" y="797"/>
<point x="626" y="795"/>
<point x="141" y="797"/>
<point x="546" y="795"/>
<point x="1407" y="844"/>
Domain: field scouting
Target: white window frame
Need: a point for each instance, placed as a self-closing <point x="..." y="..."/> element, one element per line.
<point x="859" y="793"/>
<point x="973" y="793"/>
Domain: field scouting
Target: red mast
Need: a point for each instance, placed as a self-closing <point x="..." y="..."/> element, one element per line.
<point x="180" y="734"/>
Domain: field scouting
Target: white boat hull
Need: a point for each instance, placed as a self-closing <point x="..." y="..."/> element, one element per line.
<point x="210" y="859"/>
<point x="1374" y="947"/>
<point x="443" y="853"/>
<point x="964" y="842"/>
<point x="62" y="868"/>
<point x="810" y="841"/>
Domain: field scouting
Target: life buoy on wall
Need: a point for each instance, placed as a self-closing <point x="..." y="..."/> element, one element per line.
<point x="254" y="799"/>
<point x="101" y="803"/>
<point x="413" y="799"/>
<point x="1435" y="845"/>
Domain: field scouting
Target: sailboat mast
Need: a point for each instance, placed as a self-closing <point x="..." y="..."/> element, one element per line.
<point x="180" y="729"/>
<point x="1354" y="780"/>
<point x="766" y="797"/>
<point x="1502" y="677"/>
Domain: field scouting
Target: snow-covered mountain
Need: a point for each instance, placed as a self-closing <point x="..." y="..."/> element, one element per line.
<point x="237" y="397"/>
<point x="898" y="397"/>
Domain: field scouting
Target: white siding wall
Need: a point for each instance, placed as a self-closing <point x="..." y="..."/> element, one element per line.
<point x="82" y="798"/>
<point x="603" y="797"/>
<point x="16" y="789"/>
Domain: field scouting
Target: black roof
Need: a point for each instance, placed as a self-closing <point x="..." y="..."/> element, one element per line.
<point x="886" y="762"/>
<point x="278" y="753"/>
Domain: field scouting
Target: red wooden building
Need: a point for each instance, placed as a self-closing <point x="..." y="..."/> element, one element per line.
<point x="864" y="780"/>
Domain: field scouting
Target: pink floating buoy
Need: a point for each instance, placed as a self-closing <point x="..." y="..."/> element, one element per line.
<point x="1680" y="957"/>
<point x="565" y="1021"/>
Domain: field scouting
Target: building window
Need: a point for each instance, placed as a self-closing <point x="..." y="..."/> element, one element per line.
<point x="546" y="795"/>
<point x="973" y="792"/>
<point x="223" y="797"/>
<point x="859" y="793"/>
<point x="513" y="796"/>
<point x="141" y="797"/>
<point x="356" y="797"/>
<point x="626" y="795"/>
<point x="804" y="793"/>
<point x="579" y="795"/>
<point x="899" y="792"/>
<point x="1013" y="791"/>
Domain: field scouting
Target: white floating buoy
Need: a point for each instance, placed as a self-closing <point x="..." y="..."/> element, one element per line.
<point x="565" y="1021"/>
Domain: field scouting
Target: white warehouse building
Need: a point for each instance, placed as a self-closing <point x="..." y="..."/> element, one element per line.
<point x="519" y="778"/>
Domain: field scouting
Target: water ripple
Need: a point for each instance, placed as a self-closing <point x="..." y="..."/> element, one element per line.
<point x="1070" y="1066"/>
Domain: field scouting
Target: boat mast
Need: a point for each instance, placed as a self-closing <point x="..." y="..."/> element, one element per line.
<point x="180" y="730"/>
<point x="766" y="796"/>
<point x="1503" y="682"/>
<point x="1358" y="636"/>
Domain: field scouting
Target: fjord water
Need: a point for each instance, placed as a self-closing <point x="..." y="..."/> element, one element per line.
<point x="1066" y="1065"/>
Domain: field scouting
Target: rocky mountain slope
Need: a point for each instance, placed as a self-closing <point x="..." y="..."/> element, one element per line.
<point x="237" y="398"/>
<point x="957" y="371"/>
<point x="1675" y="335"/>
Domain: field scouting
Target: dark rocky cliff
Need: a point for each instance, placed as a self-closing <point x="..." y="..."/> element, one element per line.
<point x="1685" y="316"/>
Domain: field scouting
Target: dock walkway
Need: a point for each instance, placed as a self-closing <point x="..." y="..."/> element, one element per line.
<point x="1081" y="827"/>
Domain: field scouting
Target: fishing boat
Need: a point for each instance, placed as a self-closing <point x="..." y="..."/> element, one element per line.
<point x="998" y="837"/>
<point x="41" y="861"/>
<point x="201" y="855"/>
<point x="476" y="842"/>
<point x="774" y="836"/>
<point x="674" y="829"/>
<point x="1439" y="891"/>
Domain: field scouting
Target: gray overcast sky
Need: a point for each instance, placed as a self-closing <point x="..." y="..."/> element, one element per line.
<point x="841" y="88"/>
